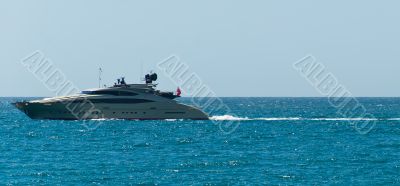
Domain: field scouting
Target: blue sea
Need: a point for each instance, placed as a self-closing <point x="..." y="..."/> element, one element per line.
<point x="262" y="141"/>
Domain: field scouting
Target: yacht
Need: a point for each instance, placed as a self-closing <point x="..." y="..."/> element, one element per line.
<point x="121" y="101"/>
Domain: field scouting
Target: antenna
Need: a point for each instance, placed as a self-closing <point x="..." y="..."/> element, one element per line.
<point x="100" y="73"/>
<point x="141" y="72"/>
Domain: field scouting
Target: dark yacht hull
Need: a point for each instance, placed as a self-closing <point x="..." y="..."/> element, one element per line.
<point x="141" y="111"/>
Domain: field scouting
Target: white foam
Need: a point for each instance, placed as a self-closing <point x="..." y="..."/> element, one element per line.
<point x="235" y="118"/>
<point x="343" y="119"/>
<point x="100" y="119"/>
<point x="106" y="119"/>
<point x="278" y="119"/>
<point x="228" y="118"/>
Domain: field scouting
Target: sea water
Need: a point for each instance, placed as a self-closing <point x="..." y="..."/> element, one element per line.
<point x="266" y="141"/>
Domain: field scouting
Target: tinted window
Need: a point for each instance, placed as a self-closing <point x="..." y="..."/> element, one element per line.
<point x="124" y="93"/>
<point x="108" y="92"/>
<point x="121" y="101"/>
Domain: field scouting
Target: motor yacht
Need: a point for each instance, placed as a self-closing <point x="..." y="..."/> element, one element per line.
<point x="120" y="101"/>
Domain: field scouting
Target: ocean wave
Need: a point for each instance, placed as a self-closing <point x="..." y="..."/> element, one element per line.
<point x="236" y="118"/>
<point x="393" y="119"/>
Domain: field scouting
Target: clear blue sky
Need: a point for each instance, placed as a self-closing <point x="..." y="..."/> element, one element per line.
<point x="251" y="44"/>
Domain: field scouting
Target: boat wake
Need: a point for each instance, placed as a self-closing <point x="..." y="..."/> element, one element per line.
<point x="235" y="118"/>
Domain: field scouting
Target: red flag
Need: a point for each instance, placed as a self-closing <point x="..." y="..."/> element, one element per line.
<point x="178" y="92"/>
